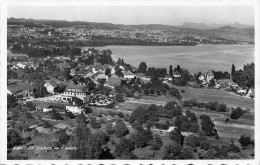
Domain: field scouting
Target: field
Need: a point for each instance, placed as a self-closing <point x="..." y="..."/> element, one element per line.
<point x="213" y="95"/>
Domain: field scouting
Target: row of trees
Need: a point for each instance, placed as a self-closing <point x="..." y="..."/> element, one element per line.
<point x="44" y="52"/>
<point x="213" y="106"/>
<point x="244" y="77"/>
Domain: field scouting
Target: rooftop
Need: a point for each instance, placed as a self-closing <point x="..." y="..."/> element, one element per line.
<point x="13" y="88"/>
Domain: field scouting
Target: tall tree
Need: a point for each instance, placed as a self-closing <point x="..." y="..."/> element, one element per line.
<point x="233" y="71"/>
<point x="171" y="71"/>
<point x="142" y="67"/>
<point x="120" y="128"/>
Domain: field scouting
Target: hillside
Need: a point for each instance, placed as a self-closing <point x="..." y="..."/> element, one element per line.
<point x="225" y="32"/>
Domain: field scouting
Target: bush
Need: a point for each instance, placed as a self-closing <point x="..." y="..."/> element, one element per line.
<point x="222" y="108"/>
<point x="186" y="103"/>
<point x="213" y="106"/>
<point x="235" y="114"/>
<point x="55" y="115"/>
<point x="120" y="97"/>
<point x="245" y="140"/>
<point x="70" y="115"/>
<point x="120" y="115"/>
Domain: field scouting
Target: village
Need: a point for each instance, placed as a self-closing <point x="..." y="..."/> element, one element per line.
<point x="53" y="91"/>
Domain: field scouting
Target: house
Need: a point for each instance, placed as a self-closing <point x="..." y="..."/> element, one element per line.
<point x="168" y="78"/>
<point x="74" y="105"/>
<point x="76" y="90"/>
<point x="251" y="92"/>
<point x="101" y="76"/>
<point x="241" y="92"/>
<point x="202" y="77"/>
<point x="63" y="65"/>
<point x="51" y="86"/>
<point x="21" y="90"/>
<point x="16" y="56"/>
<point x="88" y="74"/>
<point x="129" y="75"/>
<point x="224" y="83"/>
<point x="140" y="75"/>
<point x="114" y="80"/>
<point x="209" y="75"/>
<point x="95" y="75"/>
<point x="43" y="107"/>
<point x="176" y="74"/>
<point x="20" y="65"/>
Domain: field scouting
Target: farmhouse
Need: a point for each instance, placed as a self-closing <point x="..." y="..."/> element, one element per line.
<point x="76" y="90"/>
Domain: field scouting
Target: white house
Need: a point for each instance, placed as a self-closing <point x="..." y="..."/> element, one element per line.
<point x="20" y="65"/>
<point x="209" y="75"/>
<point x="101" y="76"/>
<point x="129" y="75"/>
<point x="176" y="74"/>
<point x="51" y="86"/>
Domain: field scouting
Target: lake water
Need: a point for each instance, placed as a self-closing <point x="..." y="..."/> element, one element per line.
<point x="194" y="58"/>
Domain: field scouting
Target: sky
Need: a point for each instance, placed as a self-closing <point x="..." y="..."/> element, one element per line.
<point x="167" y="15"/>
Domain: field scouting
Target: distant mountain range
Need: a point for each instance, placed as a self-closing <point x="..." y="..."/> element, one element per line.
<point x="235" y="32"/>
<point x="203" y="26"/>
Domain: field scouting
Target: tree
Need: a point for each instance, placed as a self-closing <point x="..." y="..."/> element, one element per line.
<point x="110" y="129"/>
<point x="120" y="128"/>
<point x="63" y="137"/>
<point x="245" y="140"/>
<point x="233" y="71"/>
<point x="81" y="119"/>
<point x="142" y="137"/>
<point x="235" y="114"/>
<point x="119" y="97"/>
<point x="11" y="101"/>
<point x="185" y="123"/>
<point x="13" y="138"/>
<point x="30" y="105"/>
<point x="192" y="141"/>
<point x="171" y="151"/>
<point x="26" y="69"/>
<point x="156" y="143"/>
<point x="139" y="115"/>
<point x="221" y="108"/>
<point x="94" y="123"/>
<point x="108" y="71"/>
<point x="70" y="115"/>
<point x="142" y="67"/>
<point x="66" y="73"/>
<point x="88" y="110"/>
<point x="176" y="136"/>
<point x="94" y="145"/>
<point x="207" y="125"/>
<point x="124" y="149"/>
<point x="186" y="153"/>
<point x="194" y="127"/>
<point x="171" y="71"/>
<point x="55" y="115"/>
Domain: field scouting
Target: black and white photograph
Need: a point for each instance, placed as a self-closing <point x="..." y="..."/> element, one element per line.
<point x="129" y="82"/>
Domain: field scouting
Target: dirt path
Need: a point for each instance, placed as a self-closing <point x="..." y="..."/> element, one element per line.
<point x="234" y="125"/>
